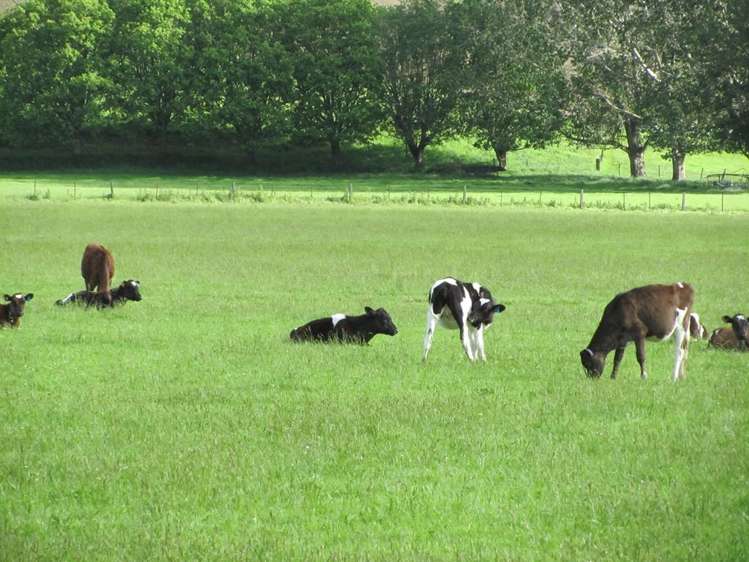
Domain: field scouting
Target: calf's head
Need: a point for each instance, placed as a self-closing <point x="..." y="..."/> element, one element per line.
<point x="381" y="321"/>
<point x="740" y="326"/>
<point x="16" y="304"/>
<point x="593" y="362"/>
<point x="130" y="290"/>
<point x="483" y="311"/>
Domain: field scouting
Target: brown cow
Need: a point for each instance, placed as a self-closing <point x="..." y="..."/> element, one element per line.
<point x="653" y="311"/>
<point x="97" y="269"/>
<point x="10" y="314"/>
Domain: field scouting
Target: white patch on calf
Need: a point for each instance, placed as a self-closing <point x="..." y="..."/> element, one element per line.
<point x="680" y="285"/>
<point x="482" y="302"/>
<point x="337" y="318"/>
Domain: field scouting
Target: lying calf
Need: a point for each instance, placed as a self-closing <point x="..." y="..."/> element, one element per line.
<point x="735" y="337"/>
<point x="350" y="329"/>
<point x="127" y="291"/>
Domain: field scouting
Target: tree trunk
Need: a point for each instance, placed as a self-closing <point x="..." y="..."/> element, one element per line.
<point x="501" y="155"/>
<point x="677" y="161"/>
<point x="417" y="153"/>
<point x="335" y="148"/>
<point x="635" y="147"/>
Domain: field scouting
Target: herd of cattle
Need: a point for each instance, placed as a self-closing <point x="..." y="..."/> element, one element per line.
<point x="650" y="312"/>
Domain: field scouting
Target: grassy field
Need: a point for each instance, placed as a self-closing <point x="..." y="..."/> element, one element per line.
<point x="187" y="427"/>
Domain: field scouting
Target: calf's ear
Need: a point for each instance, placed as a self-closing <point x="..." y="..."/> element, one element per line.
<point x="725" y="318"/>
<point x="498" y="308"/>
<point x="7" y="298"/>
<point x="368" y="310"/>
<point x="28" y="297"/>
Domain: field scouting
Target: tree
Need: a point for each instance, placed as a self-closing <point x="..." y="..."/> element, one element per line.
<point x="730" y="63"/>
<point x="603" y="70"/>
<point x="513" y="89"/>
<point x="336" y="77"/>
<point x="241" y="73"/>
<point x="147" y="58"/>
<point x="421" y="81"/>
<point x="682" y="115"/>
<point x="51" y="81"/>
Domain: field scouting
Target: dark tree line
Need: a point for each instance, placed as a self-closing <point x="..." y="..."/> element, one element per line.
<point x="669" y="75"/>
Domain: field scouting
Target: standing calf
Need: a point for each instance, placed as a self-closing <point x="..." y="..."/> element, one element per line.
<point x="10" y="314"/>
<point x="653" y="311"/>
<point x="97" y="269"/>
<point x="735" y="337"/>
<point x="467" y="307"/>
<point x="342" y="328"/>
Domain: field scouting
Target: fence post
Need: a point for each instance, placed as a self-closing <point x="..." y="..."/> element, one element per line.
<point x="465" y="193"/>
<point x="74" y="189"/>
<point x="582" y="199"/>
<point x="648" y="200"/>
<point x="721" y="201"/>
<point x="620" y="169"/>
<point x="540" y="194"/>
<point x="500" y="198"/>
<point x="624" y="201"/>
<point x="701" y="172"/>
<point x="111" y="190"/>
<point x="350" y="192"/>
<point x="683" y="201"/>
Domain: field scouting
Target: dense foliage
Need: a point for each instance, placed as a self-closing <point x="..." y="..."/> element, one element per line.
<point x="512" y="74"/>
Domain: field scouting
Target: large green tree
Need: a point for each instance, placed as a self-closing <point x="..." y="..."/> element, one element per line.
<point x="51" y="84"/>
<point x="148" y="58"/>
<point x="611" y="89"/>
<point x="241" y="72"/>
<point x="421" y="81"/>
<point x="512" y="88"/>
<point x="335" y="68"/>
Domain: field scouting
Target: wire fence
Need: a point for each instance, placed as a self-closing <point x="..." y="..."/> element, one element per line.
<point x="735" y="200"/>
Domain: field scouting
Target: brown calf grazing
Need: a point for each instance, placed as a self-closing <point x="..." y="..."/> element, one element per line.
<point x="10" y="314"/>
<point x="97" y="269"/>
<point x="735" y="337"/>
<point x="653" y="311"/>
<point x="127" y="291"/>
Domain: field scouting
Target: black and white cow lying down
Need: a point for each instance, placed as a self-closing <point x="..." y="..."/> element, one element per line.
<point x="346" y="329"/>
<point x="127" y="291"/>
<point x="467" y="307"/>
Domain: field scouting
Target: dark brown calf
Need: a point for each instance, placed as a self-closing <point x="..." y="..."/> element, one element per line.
<point x="653" y="311"/>
<point x="97" y="269"/>
<point x="10" y="314"/>
<point x="735" y="337"/>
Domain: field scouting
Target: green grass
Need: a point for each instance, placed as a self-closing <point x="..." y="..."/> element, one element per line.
<point x="187" y="427"/>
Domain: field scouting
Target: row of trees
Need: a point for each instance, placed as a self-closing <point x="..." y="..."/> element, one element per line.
<point x="667" y="74"/>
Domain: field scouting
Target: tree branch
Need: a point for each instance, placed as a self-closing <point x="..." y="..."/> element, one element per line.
<point x="644" y="66"/>
<point x="608" y="101"/>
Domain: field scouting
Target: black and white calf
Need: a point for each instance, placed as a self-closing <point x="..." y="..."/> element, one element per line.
<point x="467" y="307"/>
<point x="127" y="291"/>
<point x="346" y="329"/>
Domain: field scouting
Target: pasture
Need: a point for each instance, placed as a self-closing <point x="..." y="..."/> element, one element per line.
<point x="186" y="426"/>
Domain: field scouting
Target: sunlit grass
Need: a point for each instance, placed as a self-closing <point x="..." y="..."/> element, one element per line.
<point x="187" y="427"/>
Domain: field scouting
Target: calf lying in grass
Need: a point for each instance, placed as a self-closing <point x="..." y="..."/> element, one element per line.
<point x="347" y="329"/>
<point x="127" y="291"/>
<point x="735" y="337"/>
<point x="10" y="314"/>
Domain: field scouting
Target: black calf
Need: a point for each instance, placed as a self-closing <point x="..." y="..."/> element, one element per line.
<point x="348" y="329"/>
<point x="127" y="291"/>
